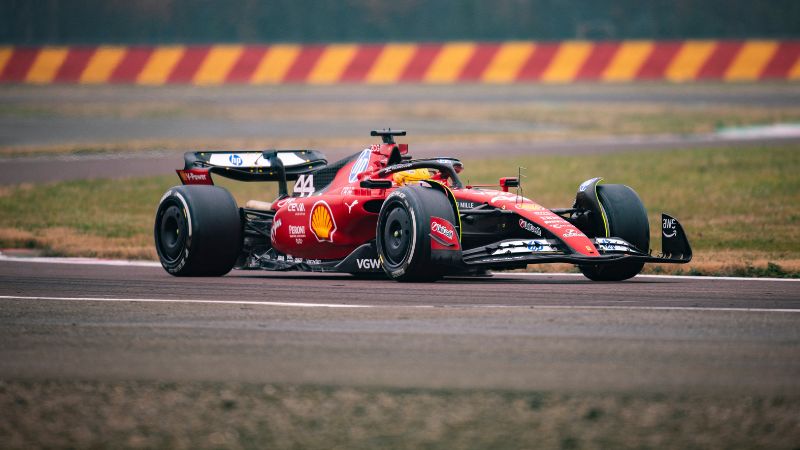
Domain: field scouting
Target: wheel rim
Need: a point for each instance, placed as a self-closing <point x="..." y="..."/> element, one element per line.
<point x="172" y="233"/>
<point x="397" y="236"/>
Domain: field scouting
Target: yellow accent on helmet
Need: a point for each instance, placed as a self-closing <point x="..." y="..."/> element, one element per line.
<point x="411" y="176"/>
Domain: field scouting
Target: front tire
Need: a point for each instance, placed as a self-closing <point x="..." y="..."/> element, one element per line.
<point x="403" y="235"/>
<point x="627" y="219"/>
<point x="198" y="231"/>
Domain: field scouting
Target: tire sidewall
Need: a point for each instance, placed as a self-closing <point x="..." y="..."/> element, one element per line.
<point x="627" y="219"/>
<point x="409" y="200"/>
<point x="214" y="231"/>
<point x="174" y="265"/>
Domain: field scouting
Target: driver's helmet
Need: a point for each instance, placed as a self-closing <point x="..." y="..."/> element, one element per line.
<point x="411" y="176"/>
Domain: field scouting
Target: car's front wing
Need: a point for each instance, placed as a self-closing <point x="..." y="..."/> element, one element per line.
<point x="512" y="253"/>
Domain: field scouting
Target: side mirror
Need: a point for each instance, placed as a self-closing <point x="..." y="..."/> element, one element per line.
<point x="509" y="182"/>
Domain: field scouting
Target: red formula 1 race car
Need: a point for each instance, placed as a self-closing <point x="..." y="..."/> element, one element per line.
<point x="381" y="212"/>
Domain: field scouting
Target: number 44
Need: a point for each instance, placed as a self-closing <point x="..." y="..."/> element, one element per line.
<point x="304" y="186"/>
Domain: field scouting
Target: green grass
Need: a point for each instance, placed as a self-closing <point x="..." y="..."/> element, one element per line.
<point x="738" y="205"/>
<point x="108" y="218"/>
<point x="80" y="414"/>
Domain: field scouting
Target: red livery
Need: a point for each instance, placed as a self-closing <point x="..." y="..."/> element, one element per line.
<point x="380" y="211"/>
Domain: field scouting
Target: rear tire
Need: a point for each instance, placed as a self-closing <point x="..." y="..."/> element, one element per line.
<point x="627" y="219"/>
<point x="403" y="233"/>
<point x="198" y="231"/>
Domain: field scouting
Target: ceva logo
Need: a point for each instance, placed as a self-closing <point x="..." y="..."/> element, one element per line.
<point x="235" y="159"/>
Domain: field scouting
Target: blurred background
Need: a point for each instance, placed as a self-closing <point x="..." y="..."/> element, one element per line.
<point x="257" y="21"/>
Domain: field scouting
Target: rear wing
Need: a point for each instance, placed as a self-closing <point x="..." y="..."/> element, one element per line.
<point x="268" y="165"/>
<point x="256" y="166"/>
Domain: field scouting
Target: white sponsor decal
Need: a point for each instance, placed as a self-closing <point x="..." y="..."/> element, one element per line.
<point x="304" y="186"/>
<point x="585" y="184"/>
<point x="614" y="248"/>
<point x="347" y="190"/>
<point x="611" y="241"/>
<point x="290" y="159"/>
<point x="275" y="227"/>
<point x="360" y="165"/>
<point x="514" y="198"/>
<point x="195" y="176"/>
<point x="532" y="246"/>
<point x="296" y="207"/>
<point x="668" y="228"/>
<point x="368" y="263"/>
<point x="572" y="233"/>
<point x="297" y="231"/>
<point x="253" y="159"/>
<point x="525" y="225"/>
<point x="611" y="244"/>
<point x="556" y="224"/>
<point x="284" y="201"/>
<point x="397" y="167"/>
<point x="506" y="197"/>
<point x="442" y="229"/>
<point x="350" y="206"/>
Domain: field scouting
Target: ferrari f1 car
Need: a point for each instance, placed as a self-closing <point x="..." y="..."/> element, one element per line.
<point x="381" y="212"/>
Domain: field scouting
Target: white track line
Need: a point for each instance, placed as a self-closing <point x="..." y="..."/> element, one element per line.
<point x="79" y="261"/>
<point x="124" y="263"/>
<point x="166" y="300"/>
<point x="337" y="305"/>
<point x="662" y="277"/>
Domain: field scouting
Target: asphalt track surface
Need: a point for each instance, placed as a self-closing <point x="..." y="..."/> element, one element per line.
<point x="111" y="322"/>
<point x="769" y="94"/>
<point x="510" y="331"/>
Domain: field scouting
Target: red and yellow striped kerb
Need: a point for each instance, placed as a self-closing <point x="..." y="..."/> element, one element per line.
<point x="430" y="63"/>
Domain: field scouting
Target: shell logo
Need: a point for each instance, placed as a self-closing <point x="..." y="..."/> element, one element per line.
<point x="529" y="206"/>
<point x="321" y="222"/>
